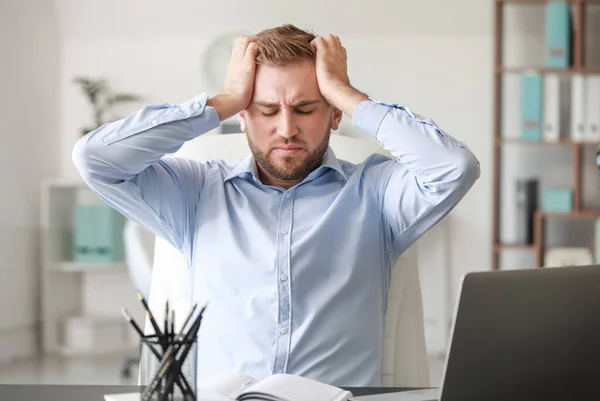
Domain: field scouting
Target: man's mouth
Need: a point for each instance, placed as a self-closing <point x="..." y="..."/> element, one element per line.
<point x="288" y="150"/>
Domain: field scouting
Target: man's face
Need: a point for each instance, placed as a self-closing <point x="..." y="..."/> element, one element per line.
<point x="288" y="121"/>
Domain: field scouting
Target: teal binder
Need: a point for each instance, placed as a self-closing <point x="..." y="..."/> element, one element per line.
<point x="531" y="106"/>
<point x="558" y="34"/>
<point x="557" y="200"/>
<point x="98" y="234"/>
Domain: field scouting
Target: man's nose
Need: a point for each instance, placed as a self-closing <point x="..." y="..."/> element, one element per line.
<point x="287" y="124"/>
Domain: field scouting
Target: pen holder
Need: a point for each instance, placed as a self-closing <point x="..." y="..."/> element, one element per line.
<point x="167" y="368"/>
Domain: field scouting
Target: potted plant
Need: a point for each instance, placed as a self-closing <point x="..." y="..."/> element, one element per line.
<point x="102" y="99"/>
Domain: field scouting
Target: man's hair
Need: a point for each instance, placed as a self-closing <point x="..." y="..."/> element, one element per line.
<point x="283" y="45"/>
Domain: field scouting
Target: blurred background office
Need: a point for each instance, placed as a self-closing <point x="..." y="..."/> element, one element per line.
<point x="518" y="81"/>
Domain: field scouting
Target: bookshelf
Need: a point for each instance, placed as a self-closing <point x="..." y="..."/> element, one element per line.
<point x="579" y="65"/>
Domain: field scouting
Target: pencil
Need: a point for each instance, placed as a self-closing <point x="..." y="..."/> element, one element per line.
<point x="170" y="369"/>
<point x="165" y="364"/>
<point x="152" y="321"/>
<point x="172" y="335"/>
<point x="132" y="322"/>
<point x="166" y="322"/>
<point x="187" y="319"/>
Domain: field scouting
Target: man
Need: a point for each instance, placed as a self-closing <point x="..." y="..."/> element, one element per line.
<point x="293" y="246"/>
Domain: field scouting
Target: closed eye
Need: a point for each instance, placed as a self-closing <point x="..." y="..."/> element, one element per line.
<point x="272" y="113"/>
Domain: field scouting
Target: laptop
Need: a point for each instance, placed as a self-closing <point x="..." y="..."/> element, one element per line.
<point x="521" y="335"/>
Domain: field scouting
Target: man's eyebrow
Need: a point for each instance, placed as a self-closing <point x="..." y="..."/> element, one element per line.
<point x="298" y="104"/>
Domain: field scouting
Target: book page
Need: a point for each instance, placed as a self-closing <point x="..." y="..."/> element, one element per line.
<point x="286" y="387"/>
<point x="228" y="385"/>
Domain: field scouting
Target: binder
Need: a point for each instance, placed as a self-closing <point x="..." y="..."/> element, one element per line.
<point x="552" y="107"/>
<point x="557" y="200"/>
<point x="531" y="106"/>
<point x="565" y="104"/>
<point x="527" y="202"/>
<point x="98" y="234"/>
<point x="592" y="108"/>
<point x="558" y="34"/>
<point x="578" y="109"/>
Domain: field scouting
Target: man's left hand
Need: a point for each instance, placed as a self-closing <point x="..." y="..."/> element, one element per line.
<point x="332" y="74"/>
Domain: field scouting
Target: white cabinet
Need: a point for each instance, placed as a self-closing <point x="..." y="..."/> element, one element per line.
<point x="80" y="302"/>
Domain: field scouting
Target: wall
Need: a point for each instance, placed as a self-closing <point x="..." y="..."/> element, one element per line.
<point x="29" y="72"/>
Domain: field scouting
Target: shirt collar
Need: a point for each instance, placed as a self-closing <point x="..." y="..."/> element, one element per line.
<point x="248" y="166"/>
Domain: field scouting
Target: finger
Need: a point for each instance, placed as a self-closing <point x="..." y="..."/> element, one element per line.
<point x="337" y="40"/>
<point x="238" y="45"/>
<point x="242" y="45"/>
<point x="251" y="50"/>
<point x="317" y="45"/>
<point x="328" y="41"/>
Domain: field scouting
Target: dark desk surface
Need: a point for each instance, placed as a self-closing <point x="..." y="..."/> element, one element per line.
<point x="49" y="392"/>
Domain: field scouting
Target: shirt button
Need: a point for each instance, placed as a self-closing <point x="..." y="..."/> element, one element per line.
<point x="288" y="195"/>
<point x="283" y="277"/>
<point x="283" y="231"/>
<point x="154" y="122"/>
<point x="283" y="330"/>
<point x="196" y="106"/>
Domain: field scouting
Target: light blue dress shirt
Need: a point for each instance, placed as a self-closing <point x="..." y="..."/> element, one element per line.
<point x="296" y="278"/>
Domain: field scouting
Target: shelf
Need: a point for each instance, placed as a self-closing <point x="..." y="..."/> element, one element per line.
<point x="65" y="183"/>
<point x="591" y="69"/>
<point x="97" y="267"/>
<point x="581" y="214"/>
<point x="522" y="247"/>
<point x="541" y="142"/>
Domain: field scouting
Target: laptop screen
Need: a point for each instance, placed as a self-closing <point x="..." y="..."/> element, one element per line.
<point x="526" y="334"/>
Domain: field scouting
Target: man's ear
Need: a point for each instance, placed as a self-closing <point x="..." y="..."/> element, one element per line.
<point x="242" y="118"/>
<point x="336" y="117"/>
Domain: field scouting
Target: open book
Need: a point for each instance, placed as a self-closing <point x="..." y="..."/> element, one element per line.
<point x="241" y="387"/>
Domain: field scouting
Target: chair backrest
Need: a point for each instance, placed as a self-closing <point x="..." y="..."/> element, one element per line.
<point x="405" y="357"/>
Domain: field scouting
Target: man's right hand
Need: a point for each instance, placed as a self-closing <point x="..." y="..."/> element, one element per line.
<point x="239" y="83"/>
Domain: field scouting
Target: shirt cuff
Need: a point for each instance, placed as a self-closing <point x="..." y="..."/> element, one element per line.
<point x="203" y="118"/>
<point x="368" y="116"/>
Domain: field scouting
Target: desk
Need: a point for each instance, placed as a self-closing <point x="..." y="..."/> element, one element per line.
<point x="49" y="392"/>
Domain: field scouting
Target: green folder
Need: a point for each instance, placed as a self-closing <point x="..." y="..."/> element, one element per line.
<point x="98" y="234"/>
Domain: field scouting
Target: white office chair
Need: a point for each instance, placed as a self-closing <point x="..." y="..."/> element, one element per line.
<point x="405" y="362"/>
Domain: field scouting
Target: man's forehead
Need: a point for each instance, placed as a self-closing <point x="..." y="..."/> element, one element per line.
<point x="293" y="102"/>
<point x="286" y="85"/>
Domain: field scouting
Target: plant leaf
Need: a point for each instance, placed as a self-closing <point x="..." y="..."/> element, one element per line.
<point x="122" y="98"/>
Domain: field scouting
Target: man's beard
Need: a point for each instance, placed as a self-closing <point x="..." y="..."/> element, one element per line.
<point x="290" y="168"/>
